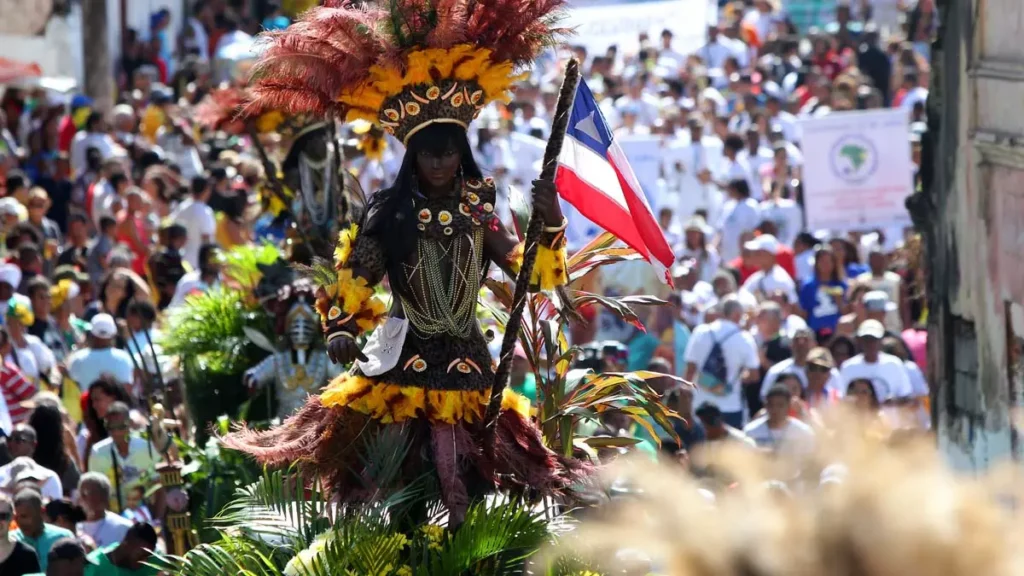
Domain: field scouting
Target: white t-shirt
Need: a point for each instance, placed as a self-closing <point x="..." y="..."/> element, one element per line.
<point x="138" y="469"/>
<point x="758" y="163"/>
<point x="51" y="488"/>
<point x="111" y="530"/>
<point x="81" y="143"/>
<point x="918" y="383"/>
<point x="738" y="217"/>
<point x="914" y="96"/>
<point x="787" y="217"/>
<point x="804" y="264"/>
<point x="889" y="373"/>
<point x="199" y="220"/>
<point x="794" y="434"/>
<point x="776" y="279"/>
<point x="789" y="366"/>
<point x="85" y="366"/>
<point x="739" y="169"/>
<point x="739" y="351"/>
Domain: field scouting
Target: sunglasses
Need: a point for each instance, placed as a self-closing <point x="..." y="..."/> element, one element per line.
<point x="21" y="438"/>
<point x="116" y="427"/>
<point x="817" y="368"/>
<point x="6" y="516"/>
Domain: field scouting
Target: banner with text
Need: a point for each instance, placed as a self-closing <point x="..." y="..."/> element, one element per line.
<point x="857" y="170"/>
<point x="598" y="25"/>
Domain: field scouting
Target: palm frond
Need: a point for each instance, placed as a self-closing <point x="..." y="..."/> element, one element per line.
<point x="491" y="540"/>
<point x="278" y="507"/>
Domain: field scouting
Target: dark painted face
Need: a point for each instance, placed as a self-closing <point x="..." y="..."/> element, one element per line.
<point x="437" y="167"/>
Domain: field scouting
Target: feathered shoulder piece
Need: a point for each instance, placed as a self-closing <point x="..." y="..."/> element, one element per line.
<point x="403" y="64"/>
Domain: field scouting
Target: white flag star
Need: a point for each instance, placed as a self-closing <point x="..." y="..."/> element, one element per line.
<point x="589" y="127"/>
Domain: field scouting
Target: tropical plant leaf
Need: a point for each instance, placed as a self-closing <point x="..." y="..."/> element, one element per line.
<point x="320" y="272"/>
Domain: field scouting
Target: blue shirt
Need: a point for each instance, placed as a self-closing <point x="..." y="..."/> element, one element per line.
<point x="45" y="541"/>
<point x="641" y="349"/>
<point x="822" y="310"/>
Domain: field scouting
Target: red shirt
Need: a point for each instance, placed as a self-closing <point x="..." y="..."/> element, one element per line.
<point x="16" y="389"/>
<point x="66" y="133"/>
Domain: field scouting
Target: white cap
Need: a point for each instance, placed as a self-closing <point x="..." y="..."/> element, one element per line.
<point x="871" y="329"/>
<point x="765" y="242"/>
<point x="10" y="274"/>
<point x="103" y="326"/>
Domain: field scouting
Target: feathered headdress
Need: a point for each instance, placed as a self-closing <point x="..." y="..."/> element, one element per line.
<point x="225" y="109"/>
<point x="403" y="64"/>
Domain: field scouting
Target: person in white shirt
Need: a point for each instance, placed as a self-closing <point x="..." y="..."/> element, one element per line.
<point x="27" y="352"/>
<point x="198" y="218"/>
<point x="782" y="120"/>
<point x="885" y="371"/>
<point x="690" y="165"/>
<point x="101" y="525"/>
<point x="206" y="276"/>
<point x="735" y="166"/>
<point x="86" y="365"/>
<point x="23" y="467"/>
<point x="667" y="53"/>
<point x="695" y="295"/>
<point x="636" y="100"/>
<point x="126" y="457"/>
<point x="759" y="160"/>
<point x="739" y="353"/>
<point x="777" y="430"/>
<point x="770" y="277"/>
<point x="740" y="216"/>
<point x="800" y="345"/>
<point x="107" y="192"/>
<point x="91" y="136"/>
<point x="915" y="93"/>
<point x="785" y="214"/>
<point x="696" y="247"/>
<point x="882" y="280"/>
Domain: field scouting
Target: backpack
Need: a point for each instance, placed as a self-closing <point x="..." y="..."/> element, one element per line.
<point x="714" y="372"/>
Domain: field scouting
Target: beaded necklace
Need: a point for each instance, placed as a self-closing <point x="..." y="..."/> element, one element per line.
<point x="444" y="306"/>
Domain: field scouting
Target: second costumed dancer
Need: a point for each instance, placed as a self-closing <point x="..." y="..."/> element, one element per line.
<point x="422" y="72"/>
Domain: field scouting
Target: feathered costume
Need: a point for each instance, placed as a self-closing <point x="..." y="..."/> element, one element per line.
<point x="405" y="65"/>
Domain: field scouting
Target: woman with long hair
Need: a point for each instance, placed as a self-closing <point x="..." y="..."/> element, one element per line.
<point x="102" y="393"/>
<point x="427" y="377"/>
<point x="50" y="449"/>
<point x="822" y="297"/>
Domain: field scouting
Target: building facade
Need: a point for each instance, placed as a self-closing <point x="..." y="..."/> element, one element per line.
<point x="971" y="213"/>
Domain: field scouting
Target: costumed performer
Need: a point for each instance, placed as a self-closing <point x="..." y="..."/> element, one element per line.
<point x="422" y="72"/>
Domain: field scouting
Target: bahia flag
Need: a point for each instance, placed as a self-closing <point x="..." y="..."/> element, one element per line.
<point x="594" y="176"/>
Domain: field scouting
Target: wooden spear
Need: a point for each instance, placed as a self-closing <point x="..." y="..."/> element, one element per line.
<point x="532" y="239"/>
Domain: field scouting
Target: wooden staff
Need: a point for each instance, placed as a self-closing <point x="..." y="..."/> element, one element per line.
<point x="532" y="238"/>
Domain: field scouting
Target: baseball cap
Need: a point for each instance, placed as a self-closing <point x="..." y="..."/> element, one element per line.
<point x="764" y="242"/>
<point x="820" y="356"/>
<point x="878" y="301"/>
<point x="871" y="329"/>
<point x="103" y="326"/>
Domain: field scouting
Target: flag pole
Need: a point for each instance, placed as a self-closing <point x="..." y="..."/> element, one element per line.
<point x="531" y="240"/>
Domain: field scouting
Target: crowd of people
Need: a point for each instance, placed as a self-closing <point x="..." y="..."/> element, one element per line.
<point x="108" y="219"/>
